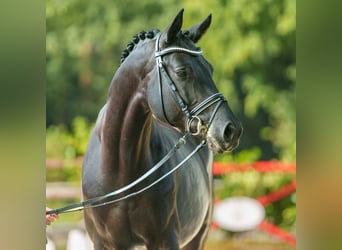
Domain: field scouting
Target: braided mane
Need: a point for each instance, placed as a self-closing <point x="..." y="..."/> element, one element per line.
<point x="135" y="40"/>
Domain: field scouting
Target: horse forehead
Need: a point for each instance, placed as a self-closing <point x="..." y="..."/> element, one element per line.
<point x="198" y="63"/>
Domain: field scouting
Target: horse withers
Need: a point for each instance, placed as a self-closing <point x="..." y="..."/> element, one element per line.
<point x="162" y="91"/>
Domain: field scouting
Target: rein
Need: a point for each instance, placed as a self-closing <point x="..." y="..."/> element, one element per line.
<point x="191" y="116"/>
<point x="90" y="202"/>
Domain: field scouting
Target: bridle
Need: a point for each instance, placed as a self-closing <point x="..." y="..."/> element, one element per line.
<point x="191" y="116"/>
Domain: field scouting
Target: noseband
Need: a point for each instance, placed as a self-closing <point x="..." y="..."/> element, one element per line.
<point x="191" y="115"/>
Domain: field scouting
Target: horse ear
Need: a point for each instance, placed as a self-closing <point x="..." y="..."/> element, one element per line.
<point x="197" y="31"/>
<point x="172" y="31"/>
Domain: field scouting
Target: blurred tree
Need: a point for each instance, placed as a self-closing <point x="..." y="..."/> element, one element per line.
<point x="251" y="45"/>
<point x="253" y="50"/>
<point x="84" y="41"/>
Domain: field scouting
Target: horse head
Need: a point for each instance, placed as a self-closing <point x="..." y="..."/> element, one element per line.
<point x="182" y="94"/>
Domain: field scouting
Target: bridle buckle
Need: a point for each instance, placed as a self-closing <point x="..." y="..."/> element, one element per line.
<point x="199" y="128"/>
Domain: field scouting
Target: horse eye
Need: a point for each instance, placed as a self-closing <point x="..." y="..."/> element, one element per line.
<point x="181" y="73"/>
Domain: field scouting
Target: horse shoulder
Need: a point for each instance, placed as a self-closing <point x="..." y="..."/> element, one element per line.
<point x="99" y="122"/>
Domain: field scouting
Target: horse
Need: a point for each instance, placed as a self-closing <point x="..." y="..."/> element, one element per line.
<point x="161" y="95"/>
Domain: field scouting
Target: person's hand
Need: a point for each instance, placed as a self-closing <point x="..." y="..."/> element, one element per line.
<point x="50" y="217"/>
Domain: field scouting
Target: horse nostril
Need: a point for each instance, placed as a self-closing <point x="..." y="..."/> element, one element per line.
<point x="229" y="132"/>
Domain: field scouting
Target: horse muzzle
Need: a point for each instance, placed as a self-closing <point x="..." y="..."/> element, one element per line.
<point x="222" y="130"/>
<point x="224" y="138"/>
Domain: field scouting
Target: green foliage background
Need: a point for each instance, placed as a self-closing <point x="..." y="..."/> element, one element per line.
<point x="251" y="45"/>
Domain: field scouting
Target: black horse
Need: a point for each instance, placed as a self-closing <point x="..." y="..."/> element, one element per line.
<point x="162" y="90"/>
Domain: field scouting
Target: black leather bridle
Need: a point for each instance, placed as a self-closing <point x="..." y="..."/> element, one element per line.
<point x="191" y="115"/>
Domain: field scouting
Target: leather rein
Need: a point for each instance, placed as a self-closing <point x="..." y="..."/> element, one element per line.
<point x="191" y="116"/>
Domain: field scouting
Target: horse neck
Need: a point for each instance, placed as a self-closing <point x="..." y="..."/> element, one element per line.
<point x="127" y="125"/>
